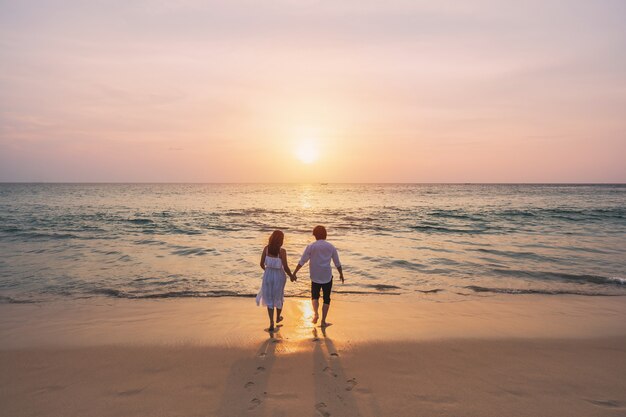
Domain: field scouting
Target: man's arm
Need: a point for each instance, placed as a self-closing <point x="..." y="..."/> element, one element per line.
<point x="338" y="264"/>
<point x="340" y="273"/>
<point x="295" y="271"/>
<point x="306" y="255"/>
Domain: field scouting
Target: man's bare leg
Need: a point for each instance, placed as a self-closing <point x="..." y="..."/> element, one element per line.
<point x="325" y="308"/>
<point x="316" y="307"/>
<point x="279" y="318"/>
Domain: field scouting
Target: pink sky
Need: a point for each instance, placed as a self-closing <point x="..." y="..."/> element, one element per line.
<point x="387" y="91"/>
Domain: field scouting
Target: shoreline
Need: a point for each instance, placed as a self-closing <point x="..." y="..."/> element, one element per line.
<point x="233" y="321"/>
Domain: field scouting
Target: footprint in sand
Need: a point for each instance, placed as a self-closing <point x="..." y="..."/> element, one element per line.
<point x="606" y="403"/>
<point x="262" y="354"/>
<point x="322" y="410"/>
<point x="52" y="388"/>
<point x="130" y="392"/>
<point x="260" y="369"/>
<point x="351" y="384"/>
<point x="329" y="371"/>
<point x="254" y="403"/>
<point x="334" y="354"/>
<point x="248" y="384"/>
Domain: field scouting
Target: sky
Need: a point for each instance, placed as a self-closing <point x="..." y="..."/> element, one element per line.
<point x="313" y="91"/>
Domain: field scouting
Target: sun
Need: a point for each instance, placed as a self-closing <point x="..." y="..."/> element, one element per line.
<point x="307" y="152"/>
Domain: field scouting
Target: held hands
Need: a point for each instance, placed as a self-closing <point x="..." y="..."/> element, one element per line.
<point x="293" y="278"/>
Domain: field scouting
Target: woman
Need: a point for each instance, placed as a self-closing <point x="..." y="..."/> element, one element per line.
<point x="274" y="263"/>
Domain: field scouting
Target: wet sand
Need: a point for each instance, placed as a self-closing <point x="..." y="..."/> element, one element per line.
<point x="496" y="356"/>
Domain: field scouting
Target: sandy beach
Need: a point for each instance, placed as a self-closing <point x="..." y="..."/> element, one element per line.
<point x="383" y="356"/>
<point x="449" y="171"/>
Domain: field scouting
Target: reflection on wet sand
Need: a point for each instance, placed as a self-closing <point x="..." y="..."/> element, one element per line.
<point x="259" y="384"/>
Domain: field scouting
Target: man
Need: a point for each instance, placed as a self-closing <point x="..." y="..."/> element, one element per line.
<point x="319" y="254"/>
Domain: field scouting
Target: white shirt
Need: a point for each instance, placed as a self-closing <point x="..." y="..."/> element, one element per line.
<point x="319" y="253"/>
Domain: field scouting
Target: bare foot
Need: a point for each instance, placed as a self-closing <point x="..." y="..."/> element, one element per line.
<point x="315" y="318"/>
<point x="325" y="324"/>
<point x="271" y="328"/>
<point x="279" y="319"/>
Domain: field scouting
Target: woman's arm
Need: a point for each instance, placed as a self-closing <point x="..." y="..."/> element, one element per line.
<point x="263" y="258"/>
<point x="283" y="257"/>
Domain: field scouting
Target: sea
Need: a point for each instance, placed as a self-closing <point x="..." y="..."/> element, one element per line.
<point x="441" y="242"/>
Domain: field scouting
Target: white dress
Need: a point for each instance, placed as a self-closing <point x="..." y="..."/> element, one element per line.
<point x="272" y="292"/>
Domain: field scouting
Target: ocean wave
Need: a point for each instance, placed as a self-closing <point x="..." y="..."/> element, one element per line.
<point x="465" y="221"/>
<point x="357" y="292"/>
<point x="140" y="221"/>
<point x="113" y="293"/>
<point x="173" y="280"/>
<point x="584" y="278"/>
<point x="383" y="287"/>
<point x="188" y="232"/>
<point x="521" y="214"/>
<point x="513" y="254"/>
<point x="110" y="292"/>
<point x="617" y="280"/>
<point x="195" y="294"/>
<point x="514" y="291"/>
<point x="46" y="236"/>
<point x="566" y="213"/>
<point x="401" y="263"/>
<point x="11" y="300"/>
<point x="433" y="291"/>
<point x="516" y="213"/>
<point x="150" y="242"/>
<point x="253" y="211"/>
<point x="453" y="214"/>
<point x="183" y="251"/>
<point x="445" y="229"/>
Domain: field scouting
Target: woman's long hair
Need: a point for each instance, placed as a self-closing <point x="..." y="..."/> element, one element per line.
<point x="275" y="242"/>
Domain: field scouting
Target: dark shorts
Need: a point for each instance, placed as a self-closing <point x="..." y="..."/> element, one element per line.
<point x="315" y="291"/>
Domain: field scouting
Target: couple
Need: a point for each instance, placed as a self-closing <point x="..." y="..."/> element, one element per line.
<point x="274" y="263"/>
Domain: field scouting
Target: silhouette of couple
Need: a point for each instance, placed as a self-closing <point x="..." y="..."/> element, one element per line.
<point x="275" y="267"/>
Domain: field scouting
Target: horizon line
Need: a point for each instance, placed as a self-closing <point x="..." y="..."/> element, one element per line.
<point x="298" y="183"/>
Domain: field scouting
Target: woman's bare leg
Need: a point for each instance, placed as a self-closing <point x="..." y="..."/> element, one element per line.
<point x="279" y="318"/>
<point x="270" y="313"/>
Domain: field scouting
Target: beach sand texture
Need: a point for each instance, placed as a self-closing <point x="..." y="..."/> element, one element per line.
<point x="499" y="356"/>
